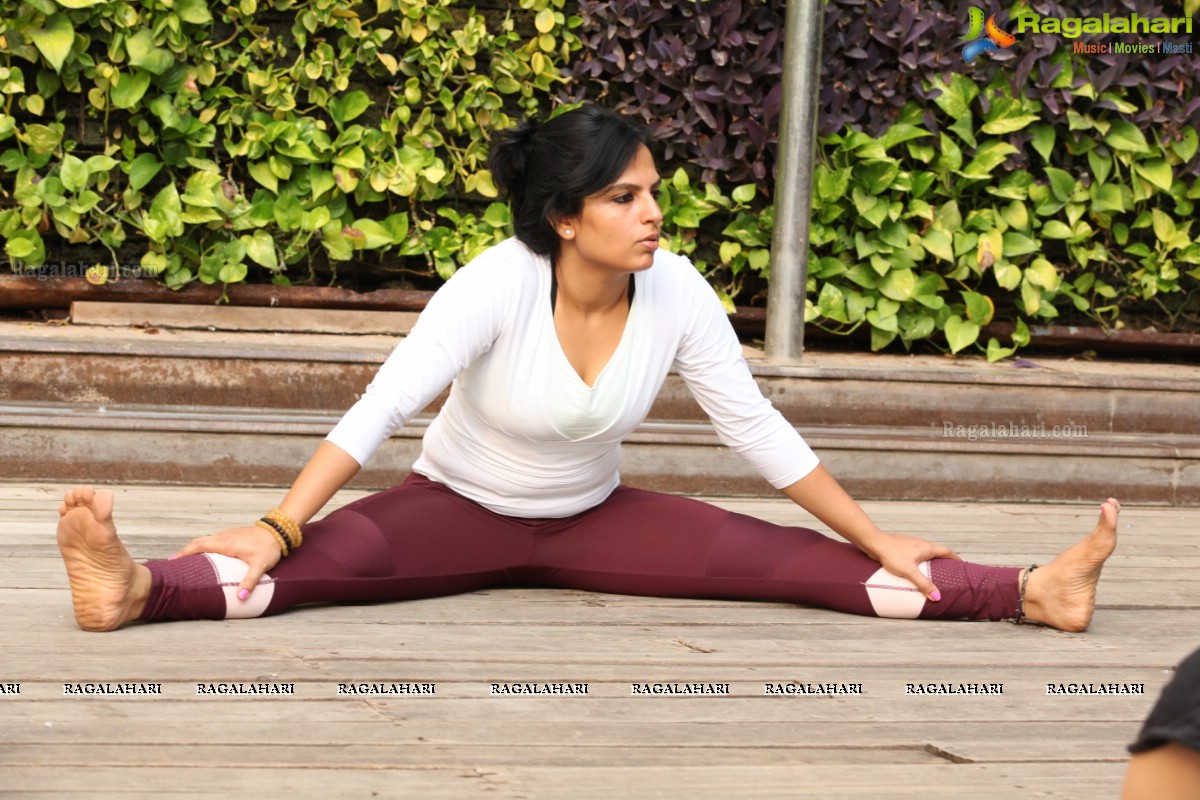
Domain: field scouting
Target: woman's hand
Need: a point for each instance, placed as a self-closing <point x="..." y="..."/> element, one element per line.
<point x="251" y="544"/>
<point x="902" y="556"/>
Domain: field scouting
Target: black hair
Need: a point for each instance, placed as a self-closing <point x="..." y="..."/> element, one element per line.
<point x="548" y="168"/>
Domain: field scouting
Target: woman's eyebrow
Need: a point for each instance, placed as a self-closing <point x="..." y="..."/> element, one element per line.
<point x="630" y="187"/>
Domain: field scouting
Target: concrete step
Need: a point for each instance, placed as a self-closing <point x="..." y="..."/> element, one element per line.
<point x="72" y="442"/>
<point x="221" y="407"/>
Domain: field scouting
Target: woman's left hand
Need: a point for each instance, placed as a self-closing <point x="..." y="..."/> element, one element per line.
<point x="902" y="556"/>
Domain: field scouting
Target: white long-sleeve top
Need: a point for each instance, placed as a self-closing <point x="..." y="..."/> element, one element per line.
<point x="521" y="433"/>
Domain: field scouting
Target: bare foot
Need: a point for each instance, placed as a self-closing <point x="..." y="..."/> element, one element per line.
<point x="1062" y="594"/>
<point x="108" y="588"/>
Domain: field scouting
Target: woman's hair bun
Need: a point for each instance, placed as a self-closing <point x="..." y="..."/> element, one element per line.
<point x="509" y="155"/>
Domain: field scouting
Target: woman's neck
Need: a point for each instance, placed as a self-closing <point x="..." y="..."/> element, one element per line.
<point x="588" y="291"/>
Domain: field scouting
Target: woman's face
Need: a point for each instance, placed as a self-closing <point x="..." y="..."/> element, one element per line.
<point x="618" y="227"/>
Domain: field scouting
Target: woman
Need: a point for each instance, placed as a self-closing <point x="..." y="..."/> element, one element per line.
<point x="1166" y="756"/>
<point x="557" y="342"/>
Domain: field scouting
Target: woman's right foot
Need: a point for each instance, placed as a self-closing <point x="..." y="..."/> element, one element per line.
<point x="108" y="588"/>
<point x="1062" y="594"/>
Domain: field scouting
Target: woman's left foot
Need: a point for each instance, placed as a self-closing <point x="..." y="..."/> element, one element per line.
<point x="1062" y="594"/>
<point x="108" y="589"/>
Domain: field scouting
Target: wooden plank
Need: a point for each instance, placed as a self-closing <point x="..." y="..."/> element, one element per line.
<point x="789" y="780"/>
<point x="464" y="741"/>
<point x="242" y="318"/>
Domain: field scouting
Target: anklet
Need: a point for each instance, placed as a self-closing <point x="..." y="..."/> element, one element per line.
<point x="1019" y="618"/>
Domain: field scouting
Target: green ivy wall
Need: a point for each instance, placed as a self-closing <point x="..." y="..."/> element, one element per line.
<point x="333" y="141"/>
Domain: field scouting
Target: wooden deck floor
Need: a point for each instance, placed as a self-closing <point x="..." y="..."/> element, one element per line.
<point x="465" y="742"/>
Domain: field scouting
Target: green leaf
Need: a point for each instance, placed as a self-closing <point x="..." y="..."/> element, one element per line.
<point x="870" y="208"/>
<point x="1062" y="183"/>
<point x="1127" y="137"/>
<point x="164" y="219"/>
<point x="1056" y="229"/>
<point x="130" y="88"/>
<point x="1020" y="335"/>
<point x="544" y="21"/>
<point x="348" y="107"/>
<point x="920" y="328"/>
<point x="759" y="258"/>
<point x="261" y="172"/>
<point x="1043" y="139"/>
<point x="744" y="193"/>
<point x="1042" y="273"/>
<point x="956" y="98"/>
<point x="831" y="302"/>
<point x="965" y="128"/>
<point x="194" y="11"/>
<point x="73" y="173"/>
<point x="895" y="233"/>
<point x="1016" y="215"/>
<point x="320" y="181"/>
<point x="1008" y="275"/>
<point x="1016" y="244"/>
<point x="1107" y="198"/>
<point x="142" y="170"/>
<point x="1157" y="171"/>
<point x="902" y="132"/>
<point x="232" y="273"/>
<point x="145" y="54"/>
<point x="980" y="308"/>
<point x="1185" y="148"/>
<point x="26" y="246"/>
<point x="988" y="156"/>
<point x="374" y="235"/>
<point x="260" y="247"/>
<point x="288" y="212"/>
<point x="162" y="107"/>
<point x="79" y="3"/>
<point x="951" y="157"/>
<point x="54" y="39"/>
<point x="881" y="338"/>
<point x="1101" y="165"/>
<point x="883" y="322"/>
<point x="960" y="333"/>
<point x="729" y="251"/>
<point x="354" y="158"/>
<point x="831" y="184"/>
<point x="1164" y="226"/>
<point x="938" y="244"/>
<point x="898" y="284"/>
<point x="300" y="151"/>
<point x="1006" y="115"/>
<point x="995" y="352"/>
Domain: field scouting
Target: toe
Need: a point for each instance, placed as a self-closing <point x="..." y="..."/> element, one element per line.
<point x="102" y="505"/>
<point x="79" y="496"/>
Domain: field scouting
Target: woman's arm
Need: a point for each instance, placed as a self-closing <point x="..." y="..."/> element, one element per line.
<point x="329" y="469"/>
<point x="323" y="476"/>
<point x="821" y="495"/>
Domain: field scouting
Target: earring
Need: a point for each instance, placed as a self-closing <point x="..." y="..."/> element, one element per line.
<point x="568" y="232"/>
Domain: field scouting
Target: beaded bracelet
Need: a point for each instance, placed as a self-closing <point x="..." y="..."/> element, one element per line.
<point x="285" y="530"/>
<point x="276" y="532"/>
<point x="290" y="528"/>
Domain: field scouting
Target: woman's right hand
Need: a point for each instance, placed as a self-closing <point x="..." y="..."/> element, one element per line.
<point x="251" y="544"/>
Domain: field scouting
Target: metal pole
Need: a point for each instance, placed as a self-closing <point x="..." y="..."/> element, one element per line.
<point x="793" y="186"/>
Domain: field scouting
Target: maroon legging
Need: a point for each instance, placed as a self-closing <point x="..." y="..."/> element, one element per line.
<point x="421" y="539"/>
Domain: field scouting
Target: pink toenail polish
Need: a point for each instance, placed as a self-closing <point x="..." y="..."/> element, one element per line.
<point x="243" y="594"/>
<point x="935" y="595"/>
<point x="172" y="558"/>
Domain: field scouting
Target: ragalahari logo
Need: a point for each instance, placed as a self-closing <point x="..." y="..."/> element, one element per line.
<point x="984" y="38"/>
